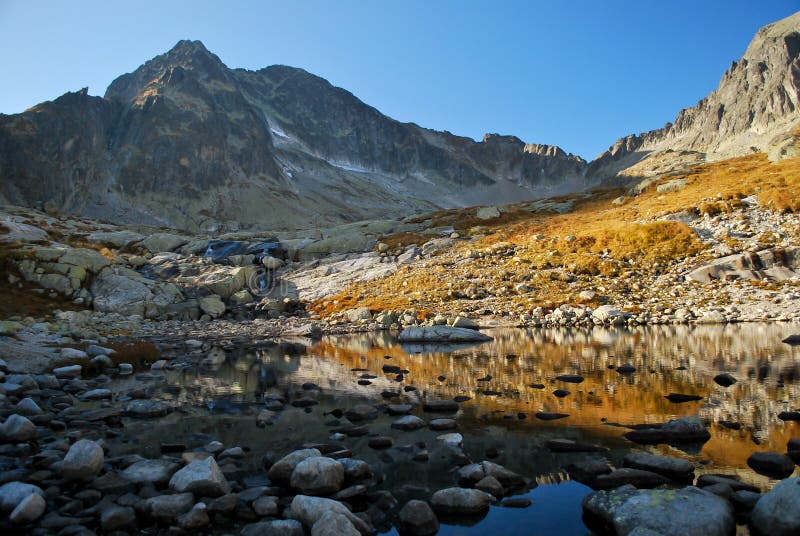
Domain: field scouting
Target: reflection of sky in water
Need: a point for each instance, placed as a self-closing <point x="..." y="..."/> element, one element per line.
<point x="768" y="372"/>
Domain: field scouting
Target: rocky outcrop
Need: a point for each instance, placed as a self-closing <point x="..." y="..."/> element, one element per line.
<point x="186" y="142"/>
<point x="778" y="264"/>
<point x="755" y="108"/>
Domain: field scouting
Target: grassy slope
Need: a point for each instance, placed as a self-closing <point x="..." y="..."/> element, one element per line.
<point x="598" y="242"/>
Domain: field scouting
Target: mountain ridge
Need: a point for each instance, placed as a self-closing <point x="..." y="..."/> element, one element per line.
<point x="184" y="141"/>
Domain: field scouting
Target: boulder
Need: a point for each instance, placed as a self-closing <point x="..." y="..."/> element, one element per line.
<point x="162" y="242"/>
<point x="116" y="518"/>
<point x="212" y="305"/>
<point x="318" y="475"/>
<point x="308" y="510"/>
<point x="157" y="472"/>
<point x="277" y="527"/>
<point x="684" y="430"/>
<point x="772" y="464"/>
<point x="201" y="477"/>
<point x="167" y="508"/>
<point x="334" y="524"/>
<point x="685" y="512"/>
<point x="460" y="501"/>
<point x="13" y="493"/>
<point x="446" y="334"/>
<point x="113" y="293"/>
<point x="672" y="468"/>
<point x="28" y="510"/>
<point x="417" y="518"/>
<point x="147" y="409"/>
<point x="281" y="471"/>
<point x="777" y="513"/>
<point x="83" y="461"/>
<point x="18" y="429"/>
<point x="487" y="213"/>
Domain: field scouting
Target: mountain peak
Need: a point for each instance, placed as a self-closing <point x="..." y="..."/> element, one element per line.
<point x="186" y="55"/>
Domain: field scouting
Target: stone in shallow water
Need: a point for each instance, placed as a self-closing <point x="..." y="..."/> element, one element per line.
<point x="442" y="334"/>
<point x="777" y="513"/>
<point x="148" y="409"/>
<point x="772" y="464"/>
<point x="281" y="471"/>
<point x="417" y="518"/>
<point x="308" y="510"/>
<point x="460" y="501"/>
<point x="673" y="468"/>
<point x="688" y="511"/>
<point x="201" y="477"/>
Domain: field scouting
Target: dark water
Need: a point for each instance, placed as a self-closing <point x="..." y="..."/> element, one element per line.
<point x="222" y="404"/>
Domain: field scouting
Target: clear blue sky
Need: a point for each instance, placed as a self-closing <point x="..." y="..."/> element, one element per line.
<point x="578" y="74"/>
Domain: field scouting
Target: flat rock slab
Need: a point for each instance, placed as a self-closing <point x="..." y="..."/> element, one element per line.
<point x="442" y="334"/>
<point x="672" y="468"/>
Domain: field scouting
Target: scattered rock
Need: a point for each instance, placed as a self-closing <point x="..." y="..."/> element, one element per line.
<point x="772" y="464"/>
<point x="83" y="461"/>
<point x="725" y="380"/>
<point x="672" y="468"/>
<point x="460" y="501"/>
<point x="334" y="524"/>
<point x="318" y="475"/>
<point x="18" y="429"/>
<point x="281" y="471"/>
<point x="417" y="518"/>
<point x="777" y="513"/>
<point x="201" y="477"/>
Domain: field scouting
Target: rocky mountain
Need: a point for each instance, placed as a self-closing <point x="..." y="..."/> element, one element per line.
<point x="186" y="142"/>
<point x="755" y="108"/>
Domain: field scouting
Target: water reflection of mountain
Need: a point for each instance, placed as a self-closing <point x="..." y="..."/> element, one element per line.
<point x="681" y="359"/>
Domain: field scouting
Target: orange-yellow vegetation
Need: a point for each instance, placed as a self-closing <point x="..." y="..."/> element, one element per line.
<point x="596" y="238"/>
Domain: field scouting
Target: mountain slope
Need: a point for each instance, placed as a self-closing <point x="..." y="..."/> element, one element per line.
<point x="186" y="142"/>
<point x="755" y="108"/>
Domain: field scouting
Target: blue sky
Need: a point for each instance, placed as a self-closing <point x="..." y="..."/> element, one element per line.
<point x="577" y="74"/>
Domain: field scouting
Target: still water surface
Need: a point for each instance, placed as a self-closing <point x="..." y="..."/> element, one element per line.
<point x="503" y="379"/>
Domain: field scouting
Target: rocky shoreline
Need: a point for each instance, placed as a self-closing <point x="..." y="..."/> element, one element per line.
<point x="59" y="476"/>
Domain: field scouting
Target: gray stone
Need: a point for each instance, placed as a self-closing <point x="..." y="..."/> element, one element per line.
<point x="772" y="464"/>
<point x="460" y="501"/>
<point x="116" y="518"/>
<point x="27" y="406"/>
<point x="355" y="469"/>
<point x="408" y="423"/>
<point x="266" y="506"/>
<point x="147" y="409"/>
<point x="491" y="485"/>
<point x="70" y="371"/>
<point x="163" y="242"/>
<point x="278" y="527"/>
<point x="361" y="412"/>
<point x="212" y="305"/>
<point x="156" y="472"/>
<point x="18" y="429"/>
<point x="673" y="468"/>
<point x="441" y="334"/>
<point x="308" y="510"/>
<point x="417" y="518"/>
<point x="318" y="475"/>
<point x="487" y="213"/>
<point x="28" y="510"/>
<point x="777" y="513"/>
<point x="686" y="512"/>
<point x="194" y="519"/>
<point x="113" y="293"/>
<point x="334" y="524"/>
<point x="167" y="508"/>
<point x="201" y="477"/>
<point x="13" y="493"/>
<point x="626" y="475"/>
<point x="281" y="471"/>
<point x="83" y="461"/>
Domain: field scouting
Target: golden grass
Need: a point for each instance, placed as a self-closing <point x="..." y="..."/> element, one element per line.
<point x="596" y="238"/>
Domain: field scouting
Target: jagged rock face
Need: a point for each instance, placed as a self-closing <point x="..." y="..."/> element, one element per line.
<point x="185" y="141"/>
<point x="755" y="107"/>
